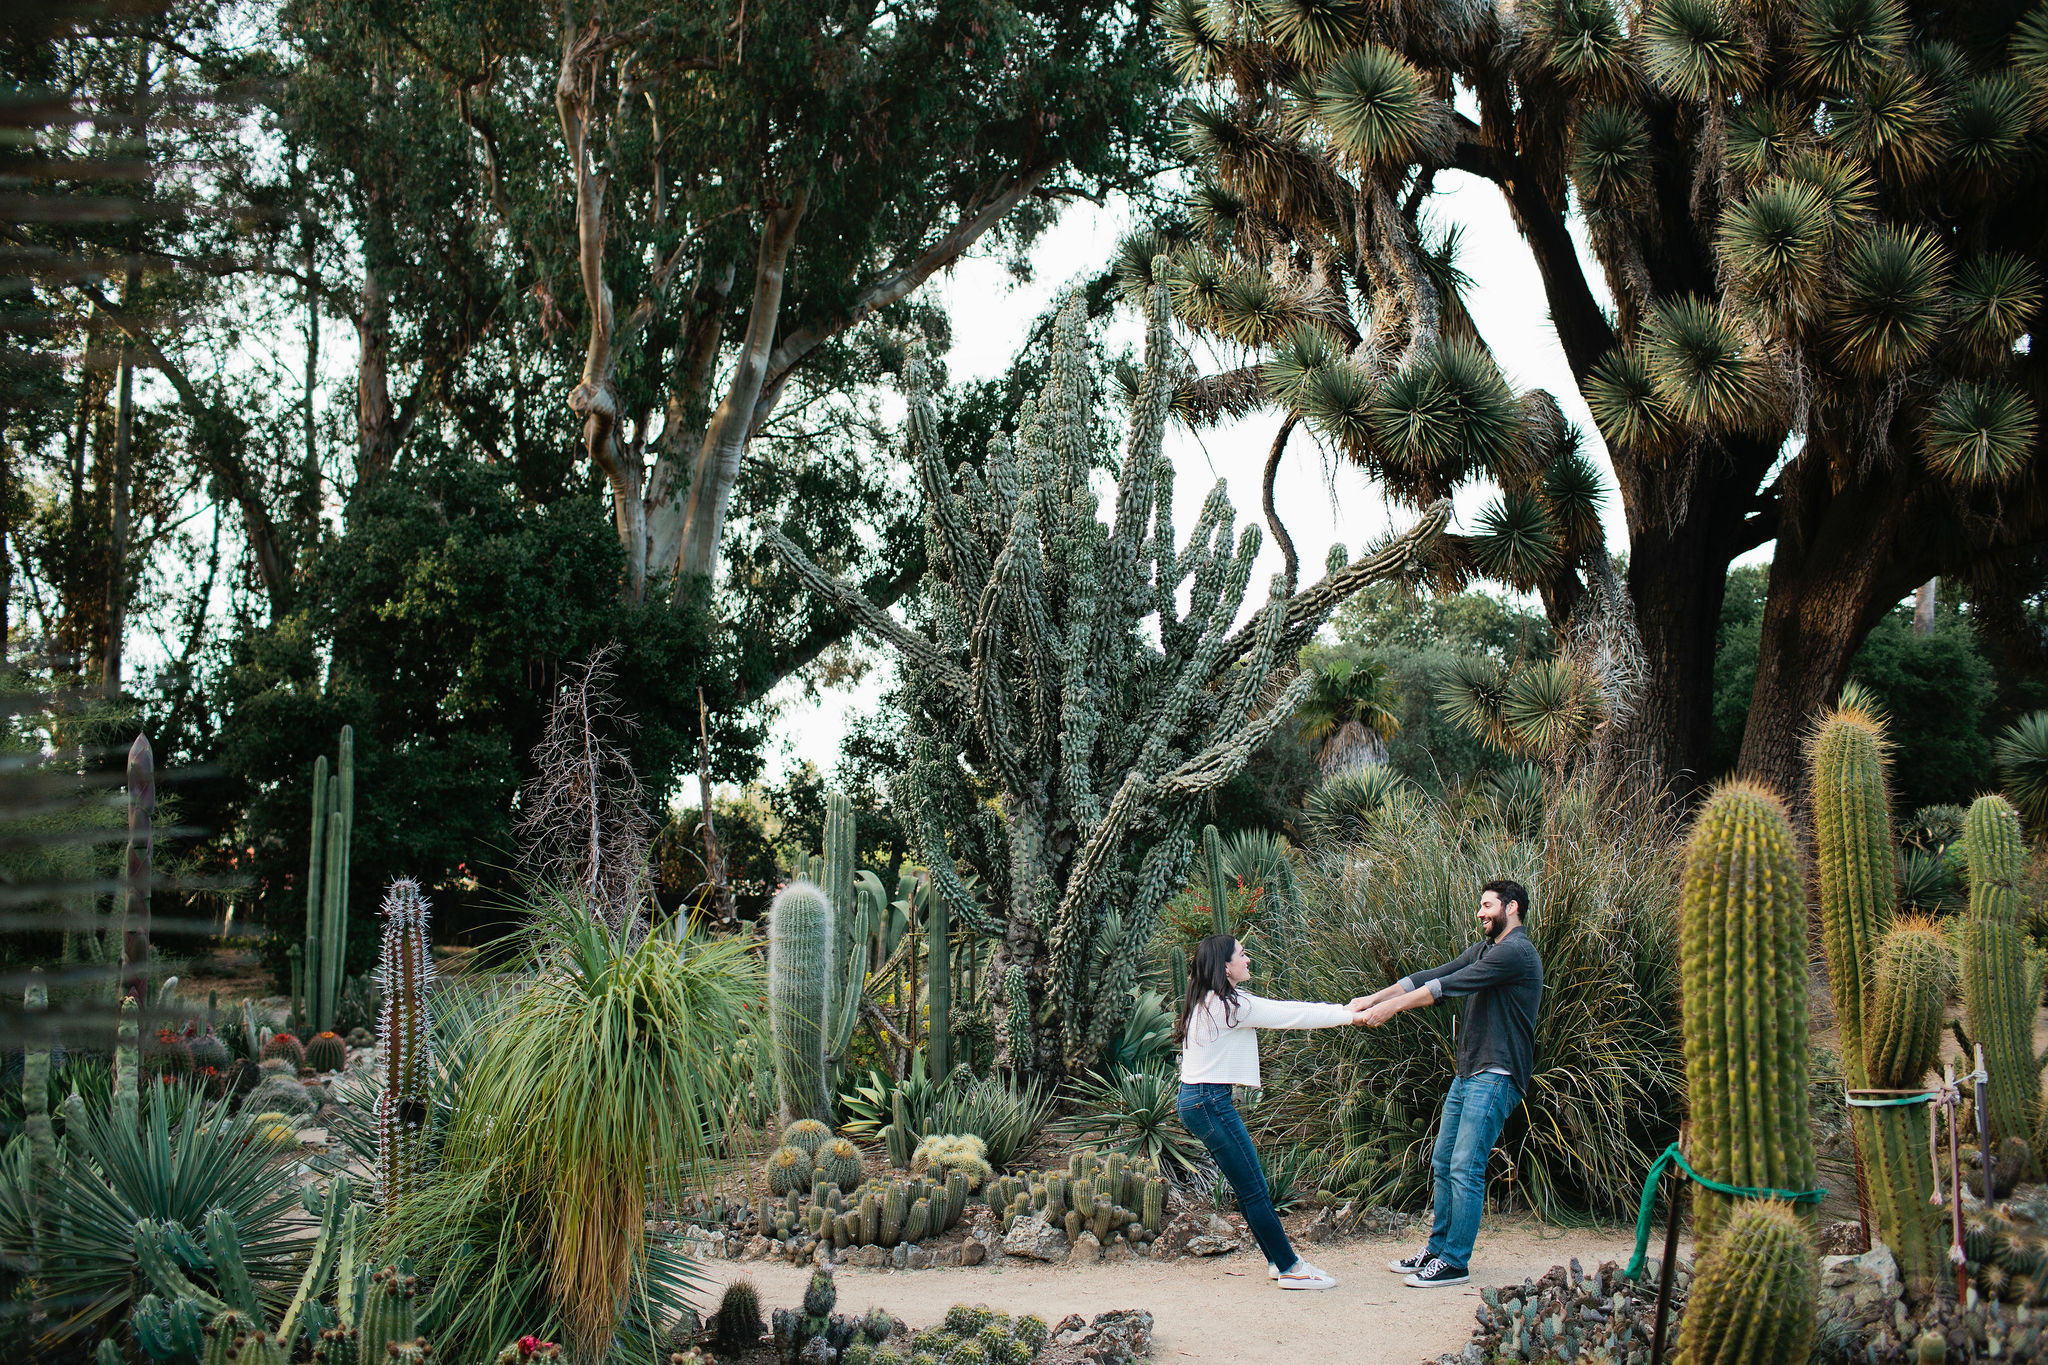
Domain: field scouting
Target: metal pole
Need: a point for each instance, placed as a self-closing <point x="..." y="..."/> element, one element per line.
<point x="1668" y="1271"/>
<point x="1955" y="1176"/>
<point x="1984" y="1121"/>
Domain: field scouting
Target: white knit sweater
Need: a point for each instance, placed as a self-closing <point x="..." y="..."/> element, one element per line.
<point x="1227" y="1053"/>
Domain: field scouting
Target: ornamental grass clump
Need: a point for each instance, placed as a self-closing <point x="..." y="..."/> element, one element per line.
<point x="606" y="1082"/>
<point x="1402" y="894"/>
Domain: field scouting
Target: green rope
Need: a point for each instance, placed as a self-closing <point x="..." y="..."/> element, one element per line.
<point x="1857" y="1102"/>
<point x="1672" y="1156"/>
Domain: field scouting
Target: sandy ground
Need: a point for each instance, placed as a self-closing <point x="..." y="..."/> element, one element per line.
<point x="1224" y="1308"/>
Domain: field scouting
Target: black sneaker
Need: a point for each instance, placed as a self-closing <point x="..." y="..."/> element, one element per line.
<point x="1408" y="1265"/>
<point x="1435" y="1273"/>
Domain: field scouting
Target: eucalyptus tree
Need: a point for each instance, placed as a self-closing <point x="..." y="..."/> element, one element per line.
<point x="690" y="207"/>
<point x="1817" y="224"/>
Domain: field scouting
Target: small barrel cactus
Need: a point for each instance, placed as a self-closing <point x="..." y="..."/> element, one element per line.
<point x="209" y="1051"/>
<point x="839" y="1162"/>
<point x="919" y="1225"/>
<point x="327" y="1052"/>
<point x="285" y="1047"/>
<point x="338" y="1346"/>
<point x="529" y="1349"/>
<point x="1754" y="1292"/>
<point x="789" y="1169"/>
<point x="808" y="1134"/>
<point x="738" y="1324"/>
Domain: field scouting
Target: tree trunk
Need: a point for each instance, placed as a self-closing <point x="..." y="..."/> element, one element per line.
<point x="376" y="447"/>
<point x="118" y="511"/>
<point x="718" y="458"/>
<point x="1828" y="586"/>
<point x="1923" y="607"/>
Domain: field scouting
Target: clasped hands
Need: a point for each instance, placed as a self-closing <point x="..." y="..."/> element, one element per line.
<point x="1371" y="1011"/>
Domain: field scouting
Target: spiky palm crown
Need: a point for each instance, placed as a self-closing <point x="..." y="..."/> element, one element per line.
<point x="1808" y="216"/>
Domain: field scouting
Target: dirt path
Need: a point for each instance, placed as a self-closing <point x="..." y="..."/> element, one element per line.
<point x="1223" y="1308"/>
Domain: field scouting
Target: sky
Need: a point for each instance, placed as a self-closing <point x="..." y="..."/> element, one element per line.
<point x="1320" y="502"/>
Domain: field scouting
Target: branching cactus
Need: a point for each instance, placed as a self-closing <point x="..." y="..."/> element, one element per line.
<point x="2001" y="985"/>
<point x="404" y="1042"/>
<point x="800" y="998"/>
<point x="1054" y="655"/>
<point x="1889" y="983"/>
<point x="1742" y="973"/>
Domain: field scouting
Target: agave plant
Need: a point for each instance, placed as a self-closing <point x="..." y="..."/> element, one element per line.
<point x="2023" y="762"/>
<point x="186" y="1158"/>
<point x="1340" y="807"/>
<point x="1135" y="1113"/>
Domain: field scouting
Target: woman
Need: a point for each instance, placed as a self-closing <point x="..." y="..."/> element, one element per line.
<point x="1218" y="1036"/>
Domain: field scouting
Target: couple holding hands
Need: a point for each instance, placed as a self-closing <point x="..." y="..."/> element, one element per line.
<point x="1500" y="979"/>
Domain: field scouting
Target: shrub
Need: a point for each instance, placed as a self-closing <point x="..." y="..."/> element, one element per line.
<point x="1604" y="1097"/>
<point x="1005" y="1114"/>
<point x="1134" y="1113"/>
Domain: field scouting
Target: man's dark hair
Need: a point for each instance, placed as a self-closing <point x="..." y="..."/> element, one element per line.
<point x="1509" y="890"/>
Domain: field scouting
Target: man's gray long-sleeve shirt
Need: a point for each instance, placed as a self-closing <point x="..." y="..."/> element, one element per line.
<point x="1502" y="985"/>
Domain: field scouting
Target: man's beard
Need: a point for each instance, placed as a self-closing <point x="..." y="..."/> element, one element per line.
<point x="1492" y="930"/>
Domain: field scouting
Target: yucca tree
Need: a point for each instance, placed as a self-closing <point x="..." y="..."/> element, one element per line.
<point x="1350" y="714"/>
<point x="1817" y="225"/>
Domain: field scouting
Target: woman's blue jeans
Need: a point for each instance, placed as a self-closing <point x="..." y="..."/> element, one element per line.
<point x="1474" y="1112"/>
<point x="1209" y="1112"/>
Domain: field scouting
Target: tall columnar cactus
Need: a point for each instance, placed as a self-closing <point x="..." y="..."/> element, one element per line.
<point x="1754" y="1292"/>
<point x="1218" y="884"/>
<point x="1041" y="668"/>
<point x="128" y="1061"/>
<point x="938" y="991"/>
<point x="2001" y="985"/>
<point x="1742" y="972"/>
<point x="35" y="1099"/>
<point x="800" y="999"/>
<point x="1889" y="985"/>
<point x="404" y="1042"/>
<point x="138" y="868"/>
<point x="316" y="881"/>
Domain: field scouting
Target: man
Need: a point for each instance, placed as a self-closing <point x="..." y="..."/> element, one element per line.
<point x="1500" y="980"/>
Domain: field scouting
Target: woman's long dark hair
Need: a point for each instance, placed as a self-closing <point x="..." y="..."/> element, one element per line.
<point x="1208" y="975"/>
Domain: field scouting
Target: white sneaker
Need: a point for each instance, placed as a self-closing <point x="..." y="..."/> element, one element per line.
<point x="1306" y="1276"/>
<point x="1272" y="1271"/>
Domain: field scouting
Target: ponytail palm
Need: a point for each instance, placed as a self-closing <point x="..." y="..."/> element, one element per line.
<point x="609" y="1081"/>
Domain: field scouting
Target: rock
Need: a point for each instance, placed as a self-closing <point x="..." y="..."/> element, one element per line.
<point x="917" y="1258"/>
<point x="973" y="1252"/>
<point x="946" y="1256"/>
<point x="1117" y="1252"/>
<point x="1086" y="1251"/>
<point x="821" y="1253"/>
<point x="1174" y="1237"/>
<point x="1324" y="1227"/>
<point x="1860" y="1296"/>
<point x="1841" y="1239"/>
<point x="1069" y="1330"/>
<point x="1036" y="1239"/>
<point x="1117" y="1337"/>
<point x="1203" y="1244"/>
<point x="1219" y="1226"/>
<point x="899" y="1256"/>
<point x="755" y="1249"/>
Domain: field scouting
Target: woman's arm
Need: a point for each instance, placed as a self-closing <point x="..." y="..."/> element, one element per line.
<point x="1255" y="1011"/>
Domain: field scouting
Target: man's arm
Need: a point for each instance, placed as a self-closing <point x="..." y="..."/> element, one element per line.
<point x="1409" y="983"/>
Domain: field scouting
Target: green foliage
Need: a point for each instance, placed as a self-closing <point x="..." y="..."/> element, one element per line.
<point x="416" y="625"/>
<point x="616" y="1055"/>
<point x="1005" y="1113"/>
<point x="1604" y="1097"/>
<point x="2023" y="763"/>
<point x="752" y="866"/>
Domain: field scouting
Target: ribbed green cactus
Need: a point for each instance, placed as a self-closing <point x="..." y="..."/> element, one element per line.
<point x="234" y="1338"/>
<point x="326" y="1051"/>
<point x="938" y="991"/>
<point x="404" y="1044"/>
<point x="1218" y="885"/>
<point x="800" y="998"/>
<point x="35" y="1100"/>
<point x="1754" y="1292"/>
<point x="316" y="883"/>
<point x="839" y="1162"/>
<point x="895" y="1208"/>
<point x="128" y="1062"/>
<point x="2001" y="991"/>
<point x="339" y="1346"/>
<point x="1742" y="972"/>
<point x="390" y="1312"/>
<point x="1889" y="982"/>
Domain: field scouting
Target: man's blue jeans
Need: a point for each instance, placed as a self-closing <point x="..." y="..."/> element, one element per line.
<point x="1209" y="1112"/>
<point x="1474" y="1113"/>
